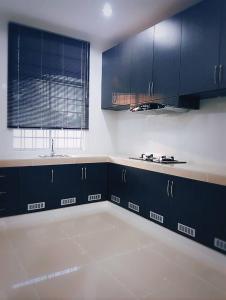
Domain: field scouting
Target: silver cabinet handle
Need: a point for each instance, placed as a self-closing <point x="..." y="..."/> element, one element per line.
<point x="82" y="174"/>
<point x="171" y="190"/>
<point x="215" y="74"/>
<point x="2" y="176"/>
<point x="220" y="73"/>
<point x="152" y="89"/>
<point x="85" y="173"/>
<point x="52" y="176"/>
<point x="149" y="88"/>
<point x="3" y="193"/>
<point x="125" y="176"/>
<point x="167" y="189"/>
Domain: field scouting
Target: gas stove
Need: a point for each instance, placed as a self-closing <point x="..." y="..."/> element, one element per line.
<point x="160" y="159"/>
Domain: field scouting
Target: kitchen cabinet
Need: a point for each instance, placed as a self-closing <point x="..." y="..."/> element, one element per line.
<point x="166" y="66"/>
<point x="9" y="191"/>
<point x="50" y="187"/>
<point x="222" y="61"/>
<point x="36" y="188"/>
<point x="65" y="186"/>
<point x="157" y="198"/>
<point x="116" y="64"/>
<point x="200" y="48"/>
<point x="94" y="182"/>
<point x="215" y="217"/>
<point x="118" y="188"/>
<point x="142" y="62"/>
<point x="187" y="205"/>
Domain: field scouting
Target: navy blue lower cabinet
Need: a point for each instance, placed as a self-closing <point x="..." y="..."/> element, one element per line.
<point x="187" y="206"/>
<point x="137" y="189"/>
<point x="9" y="191"/>
<point x="94" y="182"/>
<point x="215" y="217"/>
<point x="36" y="189"/>
<point x="117" y="186"/>
<point x="65" y="186"/>
<point x="157" y="198"/>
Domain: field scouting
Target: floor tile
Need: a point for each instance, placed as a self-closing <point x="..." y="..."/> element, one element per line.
<point x="113" y="242"/>
<point x="145" y="273"/>
<point x="87" y="283"/>
<point x="40" y="260"/>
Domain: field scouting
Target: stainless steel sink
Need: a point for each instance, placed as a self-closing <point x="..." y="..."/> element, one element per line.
<point x="54" y="155"/>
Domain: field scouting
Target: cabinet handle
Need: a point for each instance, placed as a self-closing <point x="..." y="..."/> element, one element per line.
<point x="220" y="73"/>
<point x="149" y="88"/>
<point x="171" y="190"/>
<point x="2" y="176"/>
<point x="82" y="177"/>
<point x="52" y="176"/>
<point x="167" y="189"/>
<point x="125" y="176"/>
<point x="152" y="89"/>
<point x="215" y="74"/>
<point x="3" y="193"/>
<point x="85" y="173"/>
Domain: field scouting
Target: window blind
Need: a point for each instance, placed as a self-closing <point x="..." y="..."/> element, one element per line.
<point x="48" y="80"/>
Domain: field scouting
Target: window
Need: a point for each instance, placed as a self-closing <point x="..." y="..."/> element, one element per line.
<point x="33" y="139"/>
<point x="48" y="80"/>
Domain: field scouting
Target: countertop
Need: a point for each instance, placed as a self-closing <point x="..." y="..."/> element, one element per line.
<point x="201" y="172"/>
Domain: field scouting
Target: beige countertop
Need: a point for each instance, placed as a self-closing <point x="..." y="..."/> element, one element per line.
<point x="194" y="171"/>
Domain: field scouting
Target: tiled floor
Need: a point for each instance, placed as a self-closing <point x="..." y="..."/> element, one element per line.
<point x="102" y="252"/>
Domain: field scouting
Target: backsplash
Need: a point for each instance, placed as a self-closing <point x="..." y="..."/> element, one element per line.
<point x="196" y="136"/>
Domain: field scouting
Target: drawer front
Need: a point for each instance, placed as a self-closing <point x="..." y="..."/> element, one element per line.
<point x="9" y="191"/>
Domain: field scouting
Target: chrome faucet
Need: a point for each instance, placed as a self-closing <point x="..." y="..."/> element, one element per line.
<point x="52" y="148"/>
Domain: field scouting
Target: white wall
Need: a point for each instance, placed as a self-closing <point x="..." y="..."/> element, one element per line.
<point x="99" y="139"/>
<point x="198" y="136"/>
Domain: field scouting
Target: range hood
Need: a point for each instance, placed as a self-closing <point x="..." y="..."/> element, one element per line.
<point x="139" y="103"/>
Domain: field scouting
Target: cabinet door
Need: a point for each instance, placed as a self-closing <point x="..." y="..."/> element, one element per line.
<point x="108" y="61"/>
<point x="136" y="190"/>
<point x="166" y="67"/>
<point x="9" y="191"/>
<point x="187" y="204"/>
<point x="35" y="188"/>
<point x="66" y="185"/>
<point x="142" y="62"/>
<point x="94" y="183"/>
<point x="157" y="198"/>
<point x="117" y="187"/>
<point x="200" y="48"/>
<point x="222" y="66"/>
<point x="215" y="217"/>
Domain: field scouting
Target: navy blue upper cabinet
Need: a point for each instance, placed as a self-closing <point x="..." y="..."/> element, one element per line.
<point x="166" y="67"/>
<point x="142" y="62"/>
<point x="222" y="63"/>
<point x="116" y="76"/>
<point x="200" y="48"/>
<point x="108" y="59"/>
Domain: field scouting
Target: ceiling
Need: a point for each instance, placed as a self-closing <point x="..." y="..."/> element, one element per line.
<point x="84" y="18"/>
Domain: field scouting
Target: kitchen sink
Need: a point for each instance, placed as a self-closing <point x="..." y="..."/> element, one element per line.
<point x="54" y="155"/>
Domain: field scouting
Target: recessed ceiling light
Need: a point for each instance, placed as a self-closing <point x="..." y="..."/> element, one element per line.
<point x="107" y="10"/>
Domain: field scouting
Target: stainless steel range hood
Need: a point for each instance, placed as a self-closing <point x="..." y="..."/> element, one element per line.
<point x="142" y="102"/>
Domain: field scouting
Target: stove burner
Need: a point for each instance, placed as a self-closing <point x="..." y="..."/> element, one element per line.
<point x="162" y="159"/>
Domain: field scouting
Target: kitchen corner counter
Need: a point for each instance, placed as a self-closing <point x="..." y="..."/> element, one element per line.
<point x="193" y="171"/>
<point x="48" y="161"/>
<point x="189" y="170"/>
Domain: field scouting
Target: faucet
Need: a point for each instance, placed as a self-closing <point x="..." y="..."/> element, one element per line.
<point x="52" y="148"/>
